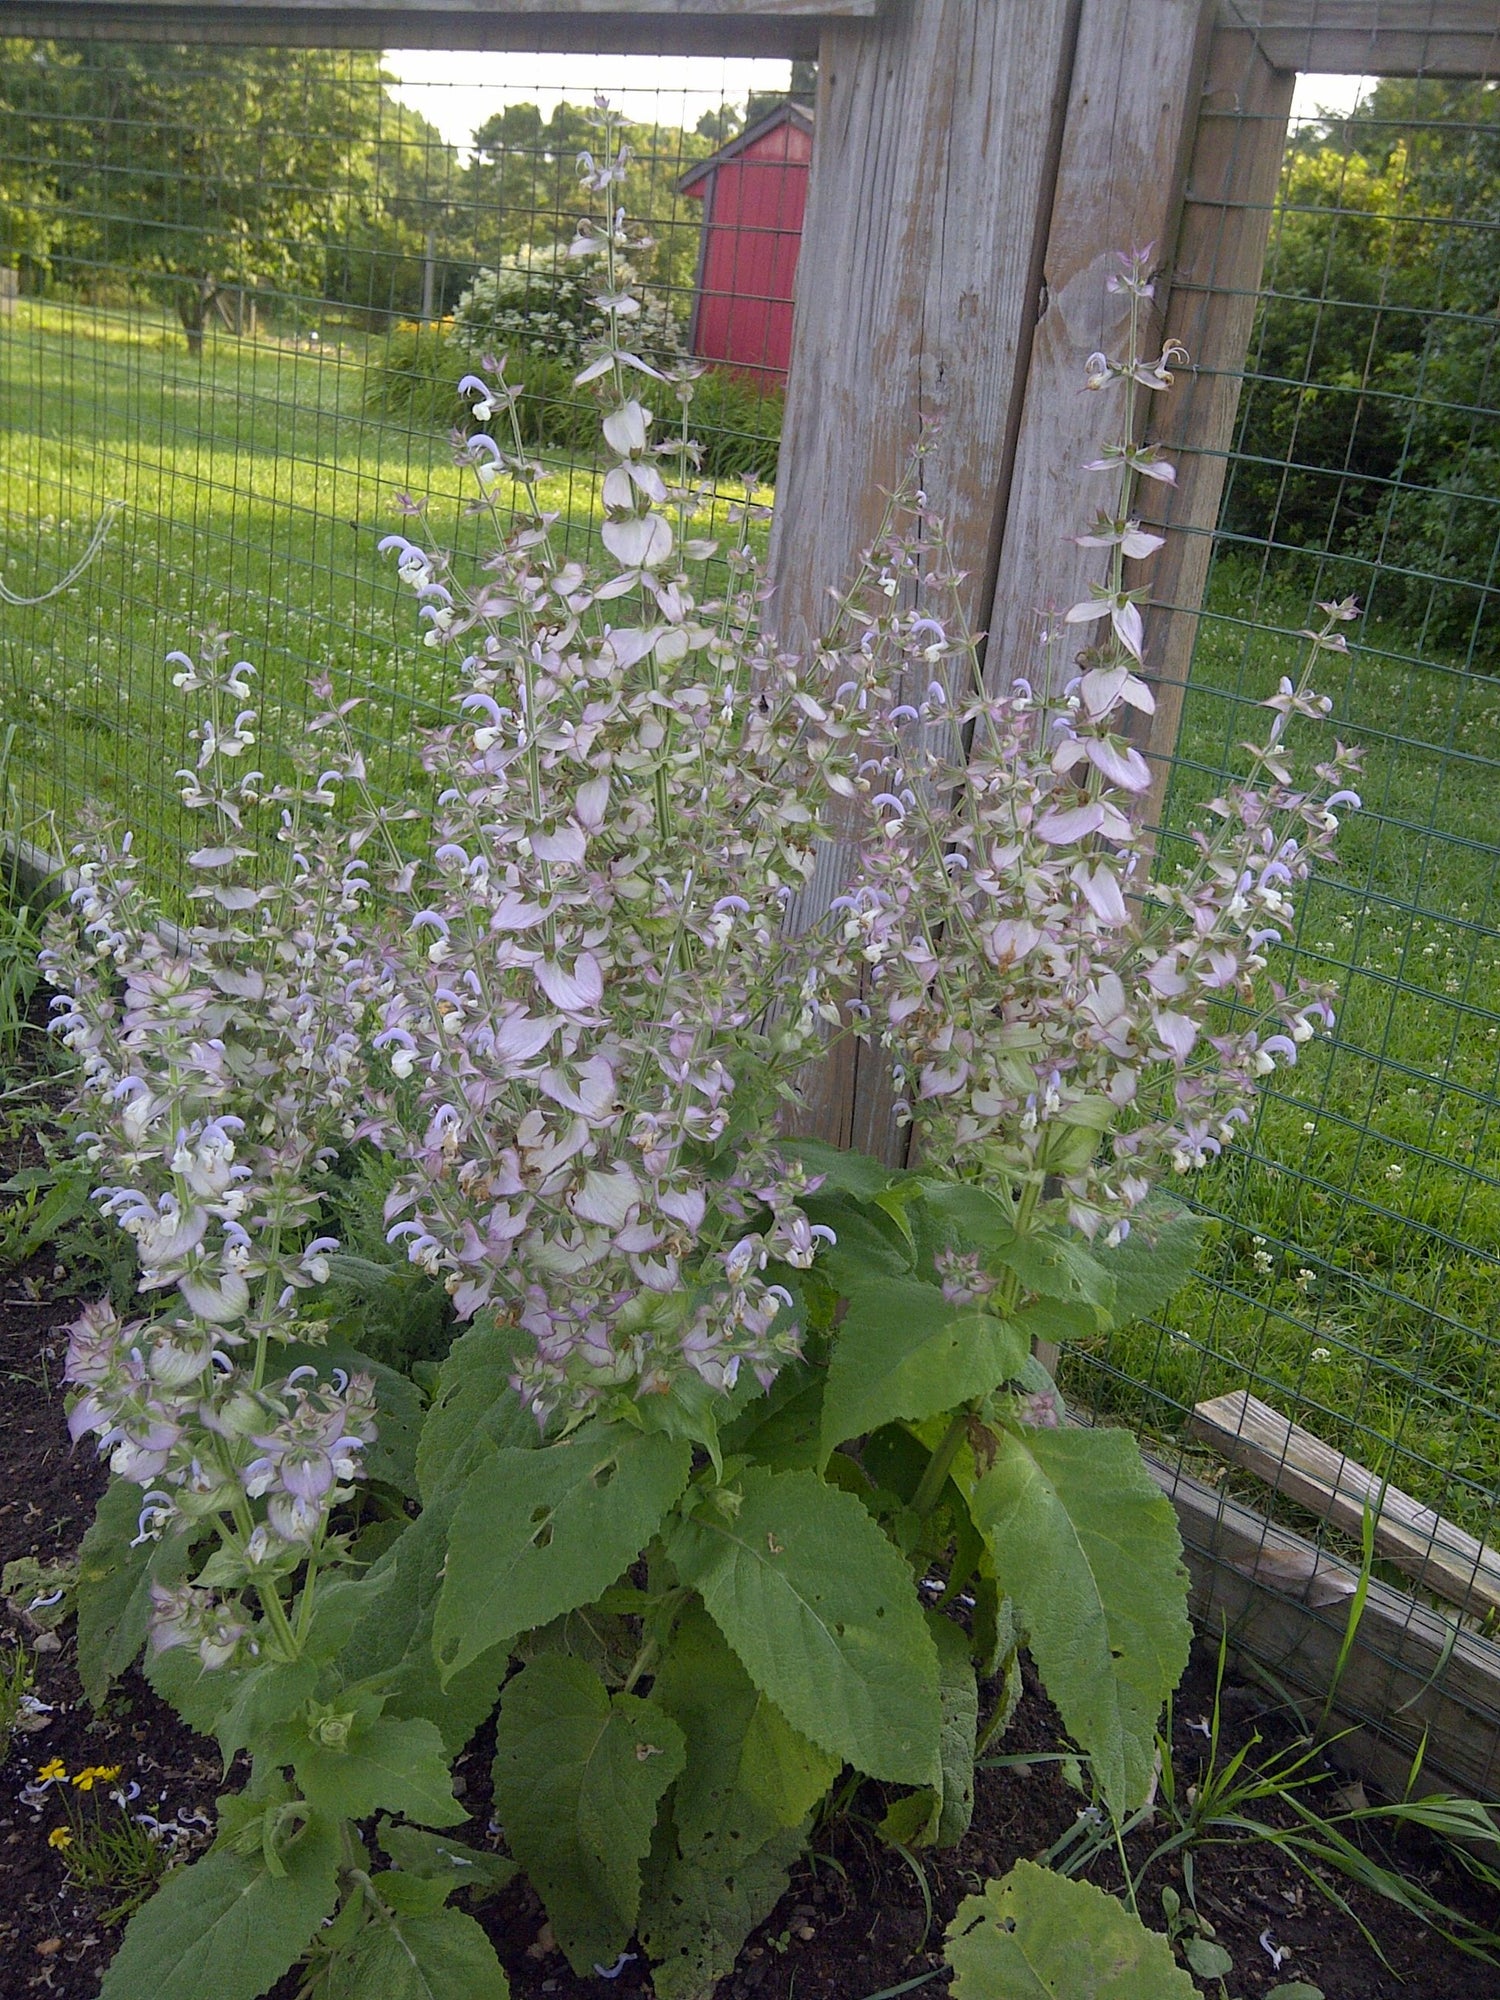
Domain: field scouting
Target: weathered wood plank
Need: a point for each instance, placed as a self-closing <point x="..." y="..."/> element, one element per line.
<point x="1410" y="1674"/>
<point x="1214" y="287"/>
<point x="1374" y="37"/>
<point x="657" y="27"/>
<point x="1436" y="1553"/>
<point x="1132" y="113"/>
<point x="934" y="156"/>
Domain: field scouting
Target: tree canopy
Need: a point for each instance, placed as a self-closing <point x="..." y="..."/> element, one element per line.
<point x="192" y="172"/>
<point x="1370" y="427"/>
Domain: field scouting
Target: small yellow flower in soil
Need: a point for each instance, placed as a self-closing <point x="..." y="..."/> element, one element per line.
<point x="96" y="1774"/>
<point x="53" y="1769"/>
<point x="59" y="1837"/>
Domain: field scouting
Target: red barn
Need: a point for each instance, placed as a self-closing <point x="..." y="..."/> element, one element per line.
<point x="754" y="191"/>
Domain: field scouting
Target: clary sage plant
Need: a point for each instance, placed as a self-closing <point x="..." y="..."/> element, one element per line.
<point x="744" y="1471"/>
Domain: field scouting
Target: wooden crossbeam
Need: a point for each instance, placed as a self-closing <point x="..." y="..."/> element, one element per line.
<point x="623" y="27"/>
<point x="1438" y="1554"/>
<point x="1374" y="37"/>
<point x="1418" y="1679"/>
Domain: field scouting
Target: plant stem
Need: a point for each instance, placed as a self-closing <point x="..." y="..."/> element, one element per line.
<point x="935" y="1478"/>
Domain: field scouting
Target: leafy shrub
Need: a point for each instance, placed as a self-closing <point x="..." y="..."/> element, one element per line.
<point x="538" y="302"/>
<point x="737" y="424"/>
<point x="725" y="1399"/>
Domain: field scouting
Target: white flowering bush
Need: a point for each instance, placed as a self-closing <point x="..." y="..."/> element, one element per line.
<point x="535" y="301"/>
<point x="725" y="1396"/>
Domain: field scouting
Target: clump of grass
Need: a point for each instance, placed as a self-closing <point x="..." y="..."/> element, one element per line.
<point x="17" y="1679"/>
<point x="103" y="1848"/>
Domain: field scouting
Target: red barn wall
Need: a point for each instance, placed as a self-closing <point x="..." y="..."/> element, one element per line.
<point x="753" y="222"/>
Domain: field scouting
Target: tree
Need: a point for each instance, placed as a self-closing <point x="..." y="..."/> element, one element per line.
<point x="204" y="169"/>
<point x="1368" y="428"/>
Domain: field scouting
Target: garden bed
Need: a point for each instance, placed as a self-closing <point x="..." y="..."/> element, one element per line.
<point x="854" y="1923"/>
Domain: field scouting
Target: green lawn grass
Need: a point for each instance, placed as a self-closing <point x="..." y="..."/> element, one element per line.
<point x="256" y="488"/>
<point x="1354" y="1282"/>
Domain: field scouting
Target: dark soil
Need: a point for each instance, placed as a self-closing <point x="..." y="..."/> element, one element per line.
<point x="856" y="1921"/>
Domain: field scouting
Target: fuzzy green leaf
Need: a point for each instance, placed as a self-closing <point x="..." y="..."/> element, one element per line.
<point x="1086" y="1545"/>
<point x="401" y="1766"/>
<point x="226" y="1925"/>
<point x="114" y="1586"/>
<point x="841" y="1172"/>
<point x="904" y="1353"/>
<point x="534" y="1534"/>
<point x="438" y="1955"/>
<point x="579" y="1775"/>
<point x="784" y="1436"/>
<point x="433" y="1857"/>
<point x="1034" y="1935"/>
<point x="199" y="1696"/>
<point x="958" y="1693"/>
<point x="820" y="1609"/>
<point x="695" y="1915"/>
<point x="394" y="1639"/>
<point x="749" y="1774"/>
<point x="474" y="1407"/>
<point x="1156" y="1259"/>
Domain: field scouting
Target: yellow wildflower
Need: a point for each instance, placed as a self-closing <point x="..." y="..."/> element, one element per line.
<point x="54" y="1768"/>
<point x="92" y="1774"/>
<point x="59" y="1837"/>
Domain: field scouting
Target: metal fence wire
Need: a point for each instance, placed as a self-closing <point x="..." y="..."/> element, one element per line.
<point x="243" y="285"/>
<point x="1354" y="1283"/>
<point x="237" y="289"/>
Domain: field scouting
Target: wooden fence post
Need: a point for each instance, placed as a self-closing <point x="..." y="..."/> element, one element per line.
<point x="1131" y="119"/>
<point x="1216" y="274"/>
<point x="934" y="156"/>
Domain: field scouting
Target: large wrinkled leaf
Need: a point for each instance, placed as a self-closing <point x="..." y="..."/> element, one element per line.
<point x="398" y="1765"/>
<point x="695" y="1915"/>
<point x="1087" y="1547"/>
<point x="537" y="1533"/>
<point x="199" y="1696"/>
<point x="579" y="1775"/>
<point x="114" y="1586"/>
<point x="842" y="1173"/>
<point x="958" y="1693"/>
<point x="1035" y="1935"/>
<point x="432" y="1955"/>
<point x="435" y="1858"/>
<point x="903" y="1352"/>
<point x="1156" y="1259"/>
<point x="821" y="1611"/>
<point x="749" y="1774"/>
<point x="474" y="1407"/>
<point x="394" y="1638"/>
<point x="226" y="1925"/>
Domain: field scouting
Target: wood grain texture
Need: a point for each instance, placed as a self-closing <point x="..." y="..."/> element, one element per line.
<point x="658" y="27"/>
<point x="1374" y="37"/>
<point x="1132" y="112"/>
<point x="934" y="155"/>
<point x="1436" y="1553"/>
<point x="1410" y="1673"/>
<point x="1232" y="179"/>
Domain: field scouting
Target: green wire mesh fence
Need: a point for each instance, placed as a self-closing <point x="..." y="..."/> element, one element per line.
<point x="237" y="291"/>
<point x="1354" y="1284"/>
<point x="242" y="287"/>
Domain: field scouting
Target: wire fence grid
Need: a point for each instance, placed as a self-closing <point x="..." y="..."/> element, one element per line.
<point x="245" y="285"/>
<point x="1354" y="1283"/>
